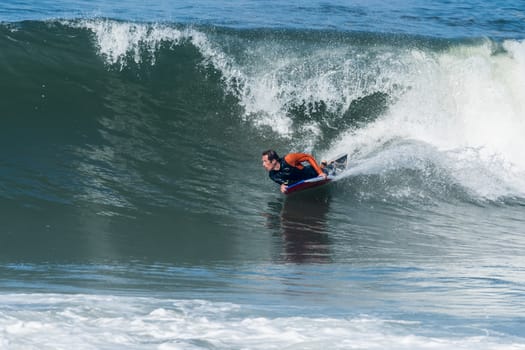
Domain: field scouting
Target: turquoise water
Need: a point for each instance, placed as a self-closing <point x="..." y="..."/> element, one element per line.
<point x="136" y="213"/>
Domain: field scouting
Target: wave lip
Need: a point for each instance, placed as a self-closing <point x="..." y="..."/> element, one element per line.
<point x="116" y="41"/>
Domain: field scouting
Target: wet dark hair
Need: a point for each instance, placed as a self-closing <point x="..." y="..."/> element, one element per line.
<point x="271" y="154"/>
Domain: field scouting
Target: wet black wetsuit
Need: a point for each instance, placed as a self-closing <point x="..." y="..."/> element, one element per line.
<point x="291" y="173"/>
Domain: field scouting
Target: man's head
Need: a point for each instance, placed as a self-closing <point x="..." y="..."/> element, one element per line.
<point x="270" y="160"/>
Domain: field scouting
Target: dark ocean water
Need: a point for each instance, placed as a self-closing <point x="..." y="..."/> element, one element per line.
<point x="135" y="212"/>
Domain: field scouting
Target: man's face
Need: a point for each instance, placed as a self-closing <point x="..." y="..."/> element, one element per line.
<point x="268" y="164"/>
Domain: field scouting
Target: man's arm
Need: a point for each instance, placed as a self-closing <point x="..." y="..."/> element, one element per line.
<point x="295" y="159"/>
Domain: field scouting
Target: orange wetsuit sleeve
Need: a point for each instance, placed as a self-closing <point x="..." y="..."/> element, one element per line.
<point x="295" y="159"/>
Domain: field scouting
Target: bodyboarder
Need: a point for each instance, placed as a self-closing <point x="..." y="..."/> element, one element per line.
<point x="290" y="168"/>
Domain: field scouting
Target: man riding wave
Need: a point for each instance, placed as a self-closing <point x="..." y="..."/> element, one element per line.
<point x="290" y="169"/>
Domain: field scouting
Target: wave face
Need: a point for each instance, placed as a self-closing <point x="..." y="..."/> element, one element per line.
<point x="112" y="92"/>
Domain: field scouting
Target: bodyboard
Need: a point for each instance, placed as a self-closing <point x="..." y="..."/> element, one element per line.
<point x="333" y="168"/>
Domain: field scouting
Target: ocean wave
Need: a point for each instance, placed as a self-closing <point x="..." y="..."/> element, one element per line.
<point x="314" y="91"/>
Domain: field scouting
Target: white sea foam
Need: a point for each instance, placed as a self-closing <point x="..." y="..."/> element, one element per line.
<point x="52" y="321"/>
<point x="116" y="41"/>
<point x="469" y="105"/>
